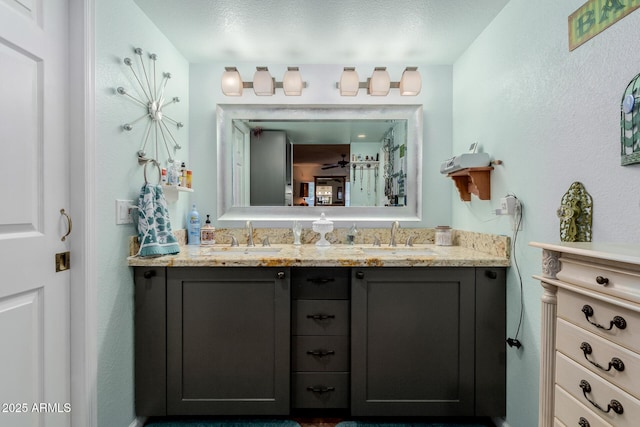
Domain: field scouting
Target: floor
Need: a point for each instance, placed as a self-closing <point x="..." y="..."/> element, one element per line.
<point x="318" y="422"/>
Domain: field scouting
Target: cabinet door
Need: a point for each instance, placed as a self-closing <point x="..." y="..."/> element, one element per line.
<point x="150" y="341"/>
<point x="228" y="341"/>
<point x="412" y="341"/>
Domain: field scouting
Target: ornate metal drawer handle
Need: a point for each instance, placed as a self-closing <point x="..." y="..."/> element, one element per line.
<point x="617" y="321"/>
<point x="613" y="404"/>
<point x="320" y="316"/>
<point x="615" y="363"/>
<point x="582" y="422"/>
<point x="321" y="389"/>
<point x="321" y="353"/>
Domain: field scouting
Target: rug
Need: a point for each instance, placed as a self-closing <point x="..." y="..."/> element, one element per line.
<point x="233" y="422"/>
<point x="409" y="424"/>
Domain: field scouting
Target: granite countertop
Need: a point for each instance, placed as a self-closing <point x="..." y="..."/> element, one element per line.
<point x="338" y="255"/>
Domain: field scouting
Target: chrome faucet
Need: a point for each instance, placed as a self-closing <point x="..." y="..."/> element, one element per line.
<point x="394" y="229"/>
<point x="250" y="234"/>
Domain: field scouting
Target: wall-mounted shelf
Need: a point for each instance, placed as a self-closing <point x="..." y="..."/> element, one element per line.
<point x="473" y="181"/>
<point x="172" y="192"/>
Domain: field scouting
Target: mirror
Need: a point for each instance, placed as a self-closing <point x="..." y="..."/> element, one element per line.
<point x="263" y="150"/>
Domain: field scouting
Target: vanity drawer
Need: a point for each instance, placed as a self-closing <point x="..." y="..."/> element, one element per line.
<point x="570" y="376"/>
<point x="320" y="390"/>
<point x="602" y="278"/>
<point x="589" y="349"/>
<point x="571" y="306"/>
<point x="570" y="412"/>
<point x="320" y="353"/>
<point x="320" y="283"/>
<point x="320" y="317"/>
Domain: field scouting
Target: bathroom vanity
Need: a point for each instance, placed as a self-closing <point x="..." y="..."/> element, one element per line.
<point x="362" y="330"/>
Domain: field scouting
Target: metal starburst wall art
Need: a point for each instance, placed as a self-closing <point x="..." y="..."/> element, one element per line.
<point x="153" y="103"/>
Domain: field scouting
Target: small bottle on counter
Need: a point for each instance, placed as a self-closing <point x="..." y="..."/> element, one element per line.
<point x="443" y="235"/>
<point x="207" y="233"/>
<point x="189" y="179"/>
<point x="351" y="234"/>
<point x="193" y="227"/>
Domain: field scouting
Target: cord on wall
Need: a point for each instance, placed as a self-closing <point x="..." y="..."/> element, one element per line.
<point x="517" y="222"/>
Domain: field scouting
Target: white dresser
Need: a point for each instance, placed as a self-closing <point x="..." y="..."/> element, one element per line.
<point x="590" y="335"/>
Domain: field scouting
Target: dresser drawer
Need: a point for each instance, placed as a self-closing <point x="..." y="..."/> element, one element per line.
<point x="320" y="353"/>
<point x="570" y="376"/>
<point x="320" y="283"/>
<point x="570" y="412"/>
<point x="320" y="317"/>
<point x="320" y="390"/>
<point x="616" y="364"/>
<point x="571" y="306"/>
<point x="607" y="279"/>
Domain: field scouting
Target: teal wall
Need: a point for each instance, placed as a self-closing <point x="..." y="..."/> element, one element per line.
<point x="121" y="26"/>
<point x="552" y="116"/>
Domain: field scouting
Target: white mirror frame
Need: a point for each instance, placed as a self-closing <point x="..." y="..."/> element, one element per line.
<point x="227" y="113"/>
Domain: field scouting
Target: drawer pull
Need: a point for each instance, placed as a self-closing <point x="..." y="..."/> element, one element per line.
<point x="320" y="316"/>
<point x="149" y="274"/>
<point x="602" y="280"/>
<point x="613" y="404"/>
<point x="321" y="389"/>
<point x="617" y="321"/>
<point x="321" y="353"/>
<point x="615" y="363"/>
<point x="320" y="280"/>
<point x="582" y="422"/>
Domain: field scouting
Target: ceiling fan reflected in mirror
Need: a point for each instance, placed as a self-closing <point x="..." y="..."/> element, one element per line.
<point x="339" y="164"/>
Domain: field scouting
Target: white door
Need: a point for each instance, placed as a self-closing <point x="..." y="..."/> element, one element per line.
<point x="34" y="187"/>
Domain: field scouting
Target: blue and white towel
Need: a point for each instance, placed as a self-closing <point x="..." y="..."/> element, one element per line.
<point x="154" y="227"/>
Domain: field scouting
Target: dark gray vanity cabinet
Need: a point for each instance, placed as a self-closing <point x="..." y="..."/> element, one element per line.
<point x="227" y="342"/>
<point x="389" y="341"/>
<point x="427" y="341"/>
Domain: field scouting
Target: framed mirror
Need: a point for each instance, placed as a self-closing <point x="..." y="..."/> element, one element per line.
<point x="388" y="173"/>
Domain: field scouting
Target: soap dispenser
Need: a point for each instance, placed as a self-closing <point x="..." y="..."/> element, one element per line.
<point x="207" y="233"/>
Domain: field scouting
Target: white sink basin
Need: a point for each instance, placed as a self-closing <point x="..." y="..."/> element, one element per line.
<point x="401" y="251"/>
<point x="240" y="250"/>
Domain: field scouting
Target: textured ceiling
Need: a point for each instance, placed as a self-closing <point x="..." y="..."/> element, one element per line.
<point x="322" y="31"/>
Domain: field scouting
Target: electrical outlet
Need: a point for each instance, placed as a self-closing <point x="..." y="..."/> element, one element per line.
<point x="516" y="219"/>
<point x="123" y="212"/>
<point x="508" y="205"/>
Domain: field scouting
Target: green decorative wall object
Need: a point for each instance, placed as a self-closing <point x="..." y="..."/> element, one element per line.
<point x="629" y="121"/>
<point x="576" y="213"/>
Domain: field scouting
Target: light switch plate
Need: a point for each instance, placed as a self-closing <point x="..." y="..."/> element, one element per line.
<point x="123" y="212"/>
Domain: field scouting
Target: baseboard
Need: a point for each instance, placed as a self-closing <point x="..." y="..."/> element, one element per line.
<point x="138" y="422"/>
<point x="500" y="422"/>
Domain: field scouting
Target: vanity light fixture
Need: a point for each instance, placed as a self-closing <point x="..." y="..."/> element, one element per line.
<point x="231" y="82"/>
<point x="292" y="83"/>
<point x="263" y="83"/>
<point x="410" y="82"/>
<point x="379" y="84"/>
<point x="349" y="82"/>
